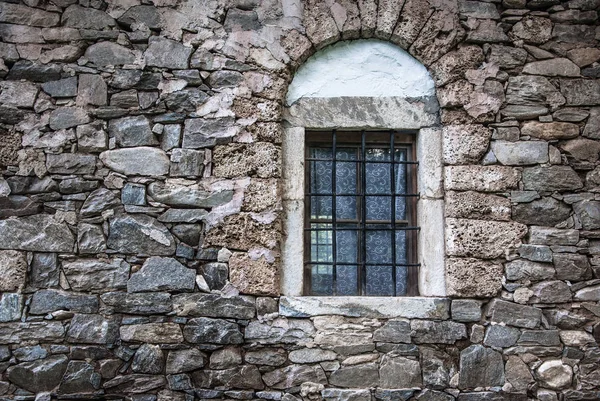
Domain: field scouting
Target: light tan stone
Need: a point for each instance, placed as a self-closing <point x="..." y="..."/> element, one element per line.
<point x="243" y="231"/>
<point x="321" y="28"/>
<point x="152" y="333"/>
<point x="440" y="34"/>
<point x="256" y="159"/>
<point x="465" y="144"/>
<point x="253" y="276"/>
<point x="414" y="16"/>
<point x="475" y="205"/>
<point x="453" y="65"/>
<point x="550" y="131"/>
<point x="13" y="270"/>
<point x="481" y="178"/>
<point x="582" y="149"/>
<point x="469" y="277"/>
<point x="261" y="195"/>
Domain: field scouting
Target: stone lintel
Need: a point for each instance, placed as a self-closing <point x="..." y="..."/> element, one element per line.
<point x="372" y="307"/>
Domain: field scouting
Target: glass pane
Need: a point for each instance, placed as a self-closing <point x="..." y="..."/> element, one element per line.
<point x="379" y="280"/>
<point x="346" y="280"/>
<point x="347" y="246"/>
<point x="401" y="184"/>
<point x="379" y="247"/>
<point x="346" y="183"/>
<point x="401" y="280"/>
<point x="378" y="174"/>
<point x="321" y="280"/>
<point x="379" y="208"/>
<point x="320" y="244"/>
<point x="401" y="248"/>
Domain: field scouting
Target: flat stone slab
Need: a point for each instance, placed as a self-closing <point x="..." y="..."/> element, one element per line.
<point x="40" y="233"/>
<point x="373" y="307"/>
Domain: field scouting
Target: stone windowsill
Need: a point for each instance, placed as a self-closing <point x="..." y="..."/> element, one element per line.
<point x="371" y="307"/>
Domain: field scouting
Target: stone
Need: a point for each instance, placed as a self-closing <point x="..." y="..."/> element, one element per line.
<point x="28" y="354"/>
<point x="533" y="29"/>
<point x="251" y="275"/>
<point x="439" y="34"/>
<point x="521" y="269"/>
<point x="311" y="355"/>
<point x="213" y="305"/>
<point x="359" y="376"/>
<point x="592" y="127"/>
<point x="133" y="194"/>
<point x="533" y="91"/>
<point x="137" y="161"/>
<point x="127" y="99"/>
<point x="22" y="15"/>
<point x="14" y="270"/>
<point x="266" y="356"/>
<point x="16" y="333"/>
<point x="465" y="144"/>
<point x="87" y="18"/>
<point x="480" y="367"/>
<point x="393" y="331"/>
<point x="588" y="294"/>
<point x="96" y="275"/>
<point x="242" y="377"/>
<point x="552" y="236"/>
<point x="215" y="331"/>
<point x="148" y="359"/>
<point x="70" y="163"/>
<point x="520" y="153"/>
<point x="174" y="194"/>
<point x="185" y="360"/>
<point x="556" y="67"/>
<point x="580" y="92"/>
<point x="582" y="149"/>
<point x="226" y="358"/>
<point x="90" y="239"/>
<point x="93" y="329"/>
<point x="107" y="53"/>
<point x="39" y="233"/>
<point x="183" y="216"/>
<point x="201" y="133"/>
<point x="431" y="332"/>
<point x="588" y="213"/>
<point x="18" y="94"/>
<point x="135" y="383"/>
<point x="91" y="138"/>
<point x="481" y="178"/>
<point x="506" y="56"/>
<point x="546" y="211"/>
<point x="333" y="394"/>
<point x="92" y="90"/>
<point x="224" y="79"/>
<point x="518" y="374"/>
<point x="524" y="112"/>
<point x="11" y="307"/>
<point x="466" y="310"/>
<point x="36" y="376"/>
<point x="152" y="333"/>
<point x="475" y="205"/>
<point x="68" y="117"/>
<point x="140" y="234"/>
<point x="162" y="274"/>
<point x="501" y="336"/>
<point x="553" y="178"/>
<point x="44" y="270"/>
<point x="171" y="137"/>
<point x="98" y="201"/>
<point x="482" y="239"/>
<point x="167" y="53"/>
<point x="469" y="277"/>
<point x="20" y="34"/>
<point x="36" y="72"/>
<point x="536" y="253"/>
<point x="132" y="131"/>
<point x="399" y="372"/>
<point x="554" y="374"/>
<point x="514" y="314"/>
<point x="572" y="267"/>
<point x="79" y="377"/>
<point x="550" y="131"/>
<point x="551" y="292"/>
<point x="47" y="301"/>
<point x="138" y="304"/>
<point x="255" y="159"/>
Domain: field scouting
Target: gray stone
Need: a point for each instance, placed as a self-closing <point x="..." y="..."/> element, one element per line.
<point x="521" y="269"/>
<point x="171" y="137"/>
<point x="174" y="194"/>
<point x="22" y="15"/>
<point x="44" y="270"/>
<point x="552" y="236"/>
<point x="226" y="358"/>
<point x="36" y="72"/>
<point x="30" y="185"/>
<point x="554" y="374"/>
<point x="152" y="333"/>
<point x="501" y="336"/>
<point x="140" y="234"/>
<point x="125" y="79"/>
<point x="553" y="178"/>
<point x="79" y="378"/>
<point x="540" y="337"/>
<point x="588" y="294"/>
<point x="17" y="333"/>
<point x="132" y="131"/>
<point x="70" y="163"/>
<point x="572" y="267"/>
<point x="62" y="88"/>
<point x="534" y="91"/>
<point x="108" y="53"/>
<point x="399" y="372"/>
<point x="39" y="233"/>
<point x="91" y="138"/>
<point x="137" y="161"/>
<point x="47" y="301"/>
<point x="138" y="304"/>
<point x="466" y="310"/>
<point x="186" y="162"/>
<point x="506" y="56"/>
<point x="243" y="377"/>
<point x="573" y="115"/>
<point x="148" y="359"/>
<point x="92" y="90"/>
<point x="224" y="79"/>
<point x="215" y="331"/>
<point x="134" y="194"/>
<point x="202" y="133"/>
<point x="135" y="383"/>
<point x="266" y="356"/>
<point x="425" y="395"/>
<point x="90" y="239"/>
<point x="431" y="332"/>
<point x="28" y="354"/>
<point x="438" y="368"/>
<point x="394" y="331"/>
<point x="311" y="355"/>
<point x="18" y="94"/>
<point x="551" y="130"/>
<point x="98" y="201"/>
<point x="186" y="100"/>
<point x="185" y="360"/>
<point x="544" y="212"/>
<point x="125" y="100"/>
<point x="513" y="314"/>
<point x="535" y="253"/>
<point x="212" y="305"/>
<point x="11" y="307"/>
<point x="189" y="234"/>
<point x="359" y="376"/>
<point x="76" y="16"/>
<point x="68" y="117"/>
<point x="480" y="367"/>
<point x="167" y="53"/>
<point x="162" y="274"/>
<point x="520" y="153"/>
<point x="517" y="373"/>
<point x="96" y="275"/>
<point x="37" y="376"/>
<point x="556" y="67"/>
<point x="581" y="92"/>
<point x="93" y="329"/>
<point x="524" y="112"/>
<point x="588" y="213"/>
<point x="183" y="216"/>
<point x="551" y="292"/>
<point x="592" y="127"/>
<point x="334" y="394"/>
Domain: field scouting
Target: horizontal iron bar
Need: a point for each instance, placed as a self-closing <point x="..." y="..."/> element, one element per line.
<point x="359" y="264"/>
<point x="316" y="159"/>
<point x="364" y="228"/>
<point x="361" y="194"/>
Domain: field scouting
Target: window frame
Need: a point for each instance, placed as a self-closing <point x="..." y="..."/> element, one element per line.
<point x="362" y="140"/>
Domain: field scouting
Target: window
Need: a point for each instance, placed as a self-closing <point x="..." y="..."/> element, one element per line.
<point x="360" y="214"/>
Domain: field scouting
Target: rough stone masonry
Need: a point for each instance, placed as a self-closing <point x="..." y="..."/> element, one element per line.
<point x="140" y="207"/>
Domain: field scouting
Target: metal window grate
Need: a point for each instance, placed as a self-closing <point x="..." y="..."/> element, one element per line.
<point x="344" y="209"/>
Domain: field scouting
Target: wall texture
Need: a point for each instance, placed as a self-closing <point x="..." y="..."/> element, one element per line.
<point x="140" y="215"/>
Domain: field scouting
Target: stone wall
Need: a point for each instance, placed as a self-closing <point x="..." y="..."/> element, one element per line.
<point x="140" y="207"/>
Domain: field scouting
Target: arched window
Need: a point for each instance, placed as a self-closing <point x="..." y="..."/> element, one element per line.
<point x="362" y="174"/>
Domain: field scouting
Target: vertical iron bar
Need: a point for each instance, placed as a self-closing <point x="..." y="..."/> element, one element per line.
<point x="334" y="213"/>
<point x="363" y="266"/>
<point x="393" y="182"/>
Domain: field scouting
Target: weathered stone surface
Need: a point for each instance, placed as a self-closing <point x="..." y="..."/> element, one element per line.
<point x="581" y="92"/>
<point x="137" y="161"/>
<point x="212" y="305"/>
<point x="518" y="374"/>
<point x="108" y="53"/>
<point x="551" y="292"/>
<point x="253" y="276"/>
<point x="506" y="56"/>
<point x="148" y="359"/>
<point x="480" y="367"/>
<point x="553" y="178"/>
<point x="140" y="234"/>
<point x="399" y="372"/>
<point x="465" y="144"/>
<point x="514" y="315"/>
<point x="554" y="374"/>
<point x="167" y="53"/>
<point x="23" y="15"/>
<point x="216" y="331"/>
<point x="243" y="377"/>
<point x="91" y="138"/>
<point x="572" y="267"/>
<point x="266" y="356"/>
<point x="46" y="301"/>
<point x="533" y="29"/>
<point x="330" y="394"/>
<point x="245" y="231"/>
<point x="588" y="213"/>
<point x="98" y="201"/>
<point x="216" y="275"/>
<point x="42" y="375"/>
<point x="226" y="358"/>
<point x="132" y="131"/>
<point x="80" y="377"/>
<point x="475" y="205"/>
<point x="88" y="18"/>
<point x="185" y="360"/>
<point x="67" y="117"/>
<point x="521" y="269"/>
<point x="592" y="127"/>
<point x="18" y="94"/>
<point x="546" y="211"/>
<point x="469" y="277"/>
<point x="11" y="307"/>
<point x="520" y="153"/>
<point x="90" y="239"/>
<point x="135" y="383"/>
<point x="71" y="163"/>
<point x="431" y="332"/>
<point x="439" y="34"/>
<point x="556" y="67"/>
<point x="14" y="270"/>
<point x="94" y="275"/>
<point x="534" y="91"/>
<point x="201" y="133"/>
<point x="482" y="239"/>
<point x="453" y="65"/>
<point x="175" y="194"/>
<point x="311" y="355"/>
<point x="536" y="253"/>
<point x="152" y="333"/>
<point x="36" y="72"/>
<point x="481" y="178"/>
<point x="582" y="149"/>
<point x="39" y="233"/>
<point x="257" y="159"/>
<point x="62" y="88"/>
<point x="183" y="216"/>
<point x="501" y="336"/>
<point x="91" y="90"/>
<point x="148" y="15"/>
<point x="93" y="329"/>
<point x="138" y="304"/>
<point x="186" y="162"/>
<point x="393" y="331"/>
<point x="162" y="274"/>
<point x="16" y="333"/>
<point x="366" y="375"/>
<point x="550" y="131"/>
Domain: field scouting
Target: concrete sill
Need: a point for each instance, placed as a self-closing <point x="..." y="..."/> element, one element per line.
<point x="372" y="307"/>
